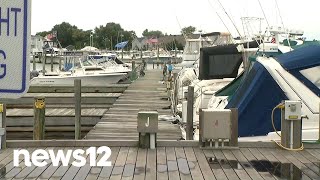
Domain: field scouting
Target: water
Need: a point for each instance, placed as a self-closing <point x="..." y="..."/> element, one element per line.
<point x="277" y="169"/>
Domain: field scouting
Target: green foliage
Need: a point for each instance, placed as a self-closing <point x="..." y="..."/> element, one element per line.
<point x="188" y="30"/>
<point x="152" y="34"/>
<point x="103" y="36"/>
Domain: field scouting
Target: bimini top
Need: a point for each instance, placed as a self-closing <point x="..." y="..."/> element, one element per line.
<point x="302" y="58"/>
<point x="304" y="64"/>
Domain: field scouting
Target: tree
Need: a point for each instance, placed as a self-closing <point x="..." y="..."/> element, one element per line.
<point x="103" y="36"/>
<point x="109" y="35"/>
<point x="188" y="30"/>
<point x="43" y="33"/>
<point x="64" y="33"/>
<point x="152" y="34"/>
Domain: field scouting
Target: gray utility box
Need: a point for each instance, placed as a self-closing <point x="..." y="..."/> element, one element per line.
<point x="147" y="121"/>
<point x="216" y="124"/>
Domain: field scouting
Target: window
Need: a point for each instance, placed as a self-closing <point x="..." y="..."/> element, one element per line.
<point x="192" y="47"/>
<point x="312" y="74"/>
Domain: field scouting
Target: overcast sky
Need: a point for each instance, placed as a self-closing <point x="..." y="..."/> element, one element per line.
<point x="166" y="15"/>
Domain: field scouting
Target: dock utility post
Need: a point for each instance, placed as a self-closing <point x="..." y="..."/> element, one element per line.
<point x="147" y="128"/>
<point x="190" y="99"/>
<point x="133" y="71"/>
<point x="291" y="124"/>
<point x="39" y="118"/>
<point x="77" y="101"/>
<point x="3" y="126"/>
<point x="218" y="128"/>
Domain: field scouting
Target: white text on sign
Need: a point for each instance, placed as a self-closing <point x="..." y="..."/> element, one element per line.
<point x="79" y="157"/>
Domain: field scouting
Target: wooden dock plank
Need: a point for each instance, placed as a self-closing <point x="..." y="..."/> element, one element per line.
<point x="238" y="168"/>
<point x="299" y="165"/>
<point x="246" y="165"/>
<point x="105" y="172"/>
<point x="130" y="165"/>
<point x="39" y="170"/>
<point x="306" y="162"/>
<point x="252" y="159"/>
<point x="173" y="171"/>
<point x="61" y="171"/>
<point x="51" y="169"/>
<point x="193" y="163"/>
<point x="73" y="170"/>
<point x="151" y="166"/>
<point x="140" y="169"/>
<point x="182" y="164"/>
<point x="204" y="165"/>
<point x="214" y="165"/>
<point x="162" y="168"/>
<point x="228" y="170"/>
<point x="279" y="156"/>
<point x="120" y="164"/>
<point x="21" y="168"/>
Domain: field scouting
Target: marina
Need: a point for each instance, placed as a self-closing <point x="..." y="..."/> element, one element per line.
<point x="146" y="101"/>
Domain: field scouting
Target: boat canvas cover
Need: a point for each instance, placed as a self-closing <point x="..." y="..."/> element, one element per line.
<point x="255" y="99"/>
<point x="300" y="59"/>
<point x="221" y="61"/>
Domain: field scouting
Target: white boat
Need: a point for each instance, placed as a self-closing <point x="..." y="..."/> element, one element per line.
<point x="90" y="74"/>
<point x="291" y="76"/>
<point x="191" y="52"/>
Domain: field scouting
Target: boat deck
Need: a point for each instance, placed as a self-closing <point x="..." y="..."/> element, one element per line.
<point x="177" y="163"/>
<point x="120" y="121"/>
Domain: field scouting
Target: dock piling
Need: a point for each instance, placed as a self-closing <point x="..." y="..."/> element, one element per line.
<point x="44" y="63"/>
<point x="189" y="129"/>
<point x="39" y="118"/>
<point x="52" y="60"/>
<point x="3" y="126"/>
<point x="77" y="97"/>
<point x="34" y="62"/>
<point x="133" y="72"/>
<point x="175" y="100"/>
<point x="234" y="127"/>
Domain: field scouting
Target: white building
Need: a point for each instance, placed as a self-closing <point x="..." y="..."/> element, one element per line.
<point x="37" y="43"/>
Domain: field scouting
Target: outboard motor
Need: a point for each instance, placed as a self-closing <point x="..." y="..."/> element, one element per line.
<point x="34" y="74"/>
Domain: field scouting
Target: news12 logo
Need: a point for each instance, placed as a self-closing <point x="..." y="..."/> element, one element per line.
<point x="39" y="157"/>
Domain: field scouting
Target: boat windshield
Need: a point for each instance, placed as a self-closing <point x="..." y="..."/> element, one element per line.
<point x="87" y="63"/>
<point x="311" y="75"/>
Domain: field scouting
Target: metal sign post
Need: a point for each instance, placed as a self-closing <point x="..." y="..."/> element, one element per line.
<point x="15" y="34"/>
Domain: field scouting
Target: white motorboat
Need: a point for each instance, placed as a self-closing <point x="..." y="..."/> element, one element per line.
<point x="90" y="74"/>
<point x="191" y="52"/>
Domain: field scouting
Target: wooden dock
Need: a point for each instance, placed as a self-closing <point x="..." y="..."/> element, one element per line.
<point x="60" y="113"/>
<point x="120" y="121"/>
<point x="175" y="163"/>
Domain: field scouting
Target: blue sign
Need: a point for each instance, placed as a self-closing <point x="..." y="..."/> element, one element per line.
<point x="15" y="34"/>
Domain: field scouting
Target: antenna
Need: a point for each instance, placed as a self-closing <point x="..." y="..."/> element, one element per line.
<point x="282" y="22"/>
<point x="220" y="19"/>
<point x="265" y="17"/>
<point x="184" y="35"/>
<point x="229" y="18"/>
